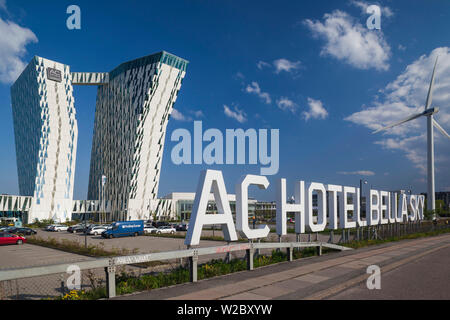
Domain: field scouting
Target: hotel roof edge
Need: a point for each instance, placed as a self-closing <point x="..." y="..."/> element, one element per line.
<point x="163" y="56"/>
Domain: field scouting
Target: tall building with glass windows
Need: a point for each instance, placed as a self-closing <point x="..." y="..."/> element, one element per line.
<point x="131" y="117"/>
<point x="134" y="103"/>
<point x="46" y="132"/>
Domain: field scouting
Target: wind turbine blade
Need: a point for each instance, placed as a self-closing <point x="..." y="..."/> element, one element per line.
<point x="430" y="89"/>
<point x="440" y="129"/>
<point x="415" y="116"/>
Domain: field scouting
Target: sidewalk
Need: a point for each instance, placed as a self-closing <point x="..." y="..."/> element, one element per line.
<point x="308" y="278"/>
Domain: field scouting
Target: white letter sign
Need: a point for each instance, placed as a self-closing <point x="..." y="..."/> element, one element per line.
<point x="199" y="218"/>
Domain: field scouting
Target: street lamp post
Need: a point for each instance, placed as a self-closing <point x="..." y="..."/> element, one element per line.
<point x="85" y="231"/>
<point x="361" y="181"/>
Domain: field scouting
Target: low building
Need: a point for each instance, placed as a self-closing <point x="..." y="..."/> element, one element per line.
<point x="182" y="203"/>
<point x="445" y="197"/>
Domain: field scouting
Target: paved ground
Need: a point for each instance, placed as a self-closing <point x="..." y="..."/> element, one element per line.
<point x="417" y="266"/>
<point x="27" y="255"/>
<point x="427" y="277"/>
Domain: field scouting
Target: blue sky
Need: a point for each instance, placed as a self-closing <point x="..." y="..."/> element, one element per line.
<point x="311" y="69"/>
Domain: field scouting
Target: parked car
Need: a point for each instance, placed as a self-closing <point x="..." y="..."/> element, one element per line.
<point x="50" y="227"/>
<point x="24" y="231"/>
<point x="182" y="227"/>
<point x="150" y="229"/>
<point x="59" y="227"/>
<point x="124" y="229"/>
<point x="159" y="224"/>
<point x="8" y="238"/>
<point x="97" y="230"/>
<point x="9" y="229"/>
<point x="78" y="229"/>
<point x="166" y="229"/>
<point x="71" y="228"/>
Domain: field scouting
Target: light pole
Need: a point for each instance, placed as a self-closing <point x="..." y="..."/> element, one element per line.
<point x="85" y="231"/>
<point x="101" y="185"/>
<point x="361" y="182"/>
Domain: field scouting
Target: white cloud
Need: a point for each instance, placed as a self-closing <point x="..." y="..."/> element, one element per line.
<point x="316" y="110"/>
<point x="286" y="104"/>
<point x="286" y="65"/>
<point x="262" y="64"/>
<point x="13" y="42"/>
<point x="198" y="113"/>
<point x="349" y="41"/>
<point x="358" y="173"/>
<point x="405" y="96"/>
<point x="238" y="115"/>
<point x="255" y="89"/>
<point x="177" y="115"/>
<point x="385" y="11"/>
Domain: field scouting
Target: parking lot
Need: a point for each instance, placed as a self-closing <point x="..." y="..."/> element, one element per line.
<point x="27" y="255"/>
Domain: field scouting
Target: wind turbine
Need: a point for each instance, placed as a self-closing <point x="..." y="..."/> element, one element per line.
<point x="431" y="123"/>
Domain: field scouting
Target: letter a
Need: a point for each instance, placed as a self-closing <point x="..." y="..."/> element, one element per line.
<point x="74" y="21"/>
<point x="374" y="21"/>
<point x="199" y="218"/>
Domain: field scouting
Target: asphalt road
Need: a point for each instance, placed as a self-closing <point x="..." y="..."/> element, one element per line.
<point x="425" y="278"/>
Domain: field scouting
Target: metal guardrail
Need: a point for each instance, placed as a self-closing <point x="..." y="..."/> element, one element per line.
<point x="110" y="264"/>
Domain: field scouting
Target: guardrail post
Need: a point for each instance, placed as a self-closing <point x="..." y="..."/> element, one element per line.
<point x="290" y="251"/>
<point x="319" y="250"/>
<point x="193" y="262"/>
<point x="111" y="281"/>
<point x="250" y="254"/>
<point x="227" y="255"/>
<point x="63" y="286"/>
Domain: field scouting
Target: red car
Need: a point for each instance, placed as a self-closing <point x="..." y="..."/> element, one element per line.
<point x="8" y="238"/>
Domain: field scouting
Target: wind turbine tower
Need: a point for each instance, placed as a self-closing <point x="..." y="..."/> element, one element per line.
<point x="431" y="123"/>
